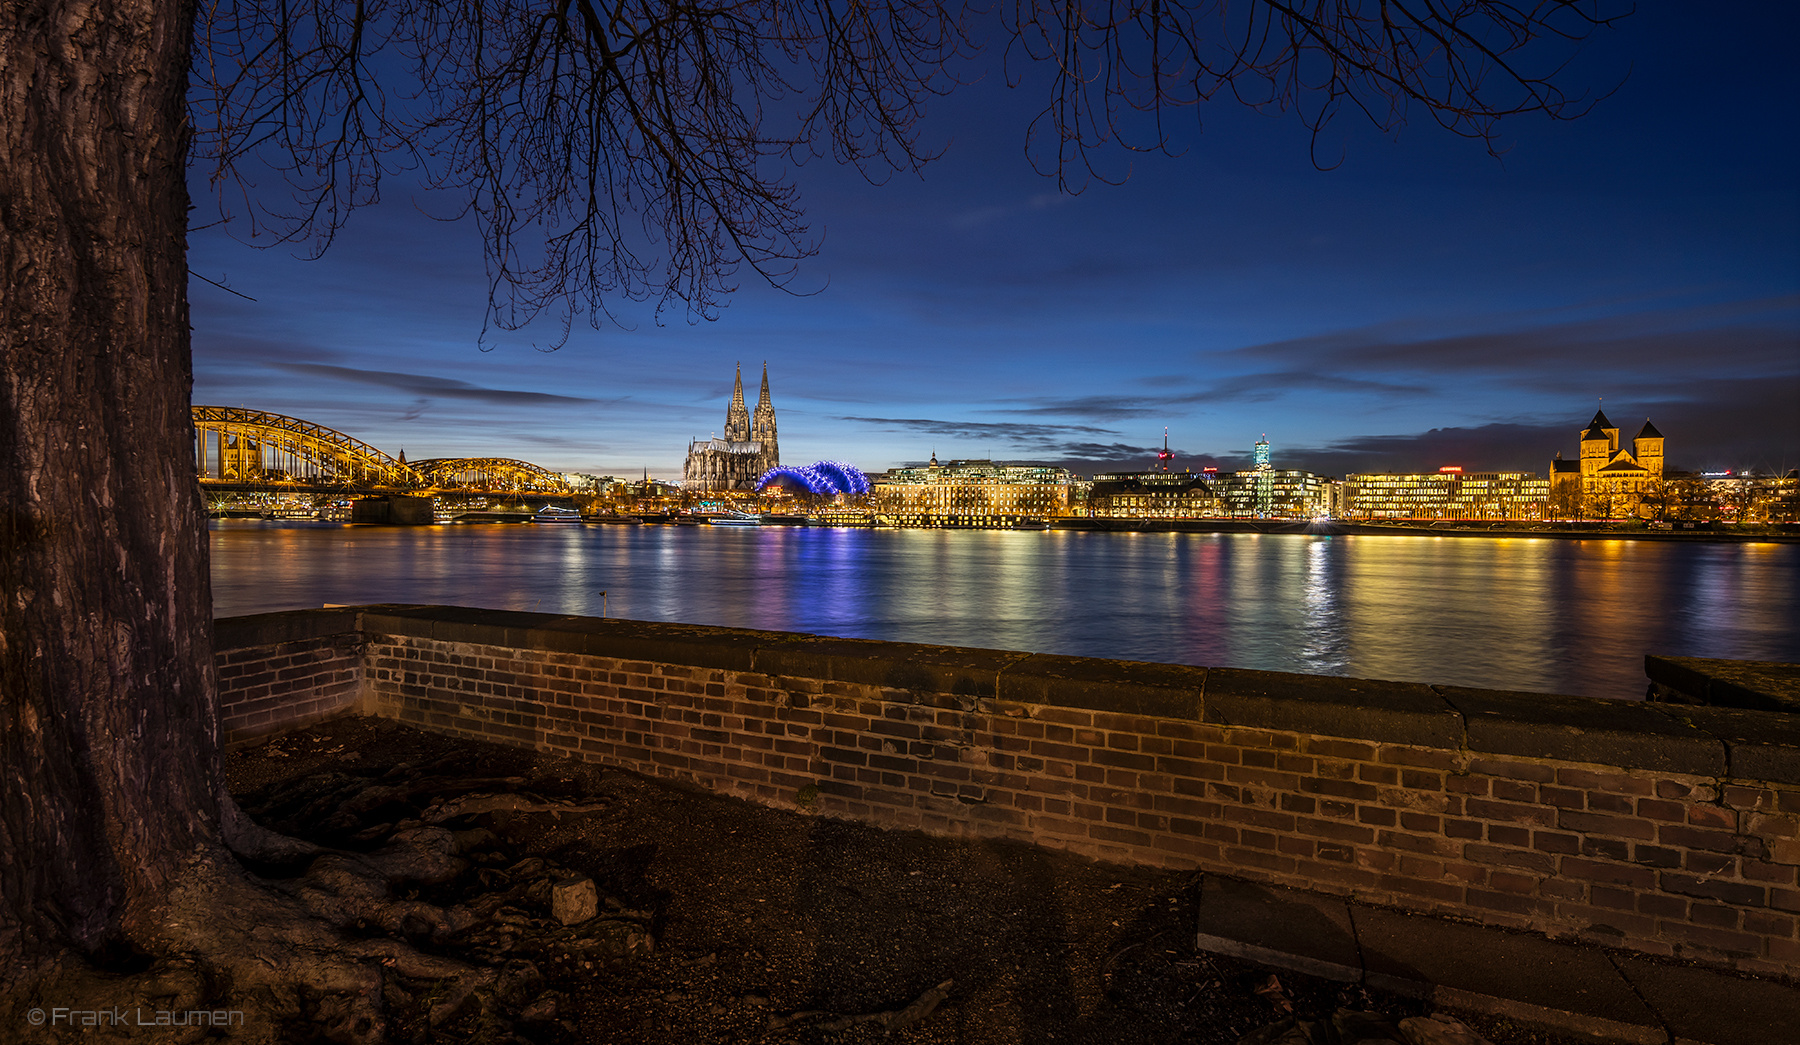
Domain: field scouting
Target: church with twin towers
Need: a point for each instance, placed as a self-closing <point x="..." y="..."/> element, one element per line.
<point x="748" y="450"/>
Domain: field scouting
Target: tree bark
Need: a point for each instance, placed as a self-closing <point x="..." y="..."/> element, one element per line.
<point x="108" y="712"/>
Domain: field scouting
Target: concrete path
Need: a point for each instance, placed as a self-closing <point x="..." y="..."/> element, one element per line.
<point x="1585" y="991"/>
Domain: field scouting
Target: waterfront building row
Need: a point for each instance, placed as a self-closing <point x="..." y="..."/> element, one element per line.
<point x="1449" y="493"/>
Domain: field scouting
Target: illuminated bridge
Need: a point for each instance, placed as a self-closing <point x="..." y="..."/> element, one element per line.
<point x="253" y="450"/>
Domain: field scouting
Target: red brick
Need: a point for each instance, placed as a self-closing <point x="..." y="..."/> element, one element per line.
<point x="1535" y="772"/>
<point x="1768" y="924"/>
<point x="1333" y="748"/>
<point x="1517" y="858"/>
<point x="1602" y="824"/>
<point x="1713" y="816"/>
<point x="1552" y="842"/>
<point x="1616" y="783"/>
<point x="1738" y="796"/>
<point x="1764" y="871"/>
<point x="1597" y="871"/>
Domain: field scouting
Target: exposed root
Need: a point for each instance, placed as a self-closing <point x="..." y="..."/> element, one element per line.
<point x="345" y="946"/>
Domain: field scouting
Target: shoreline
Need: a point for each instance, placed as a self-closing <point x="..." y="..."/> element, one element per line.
<point x="1336" y="528"/>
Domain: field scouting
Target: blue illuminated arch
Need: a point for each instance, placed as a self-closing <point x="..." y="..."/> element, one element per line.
<point x="821" y="479"/>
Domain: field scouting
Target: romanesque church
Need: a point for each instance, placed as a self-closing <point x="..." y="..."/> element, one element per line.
<point x="1609" y="471"/>
<point x="748" y="450"/>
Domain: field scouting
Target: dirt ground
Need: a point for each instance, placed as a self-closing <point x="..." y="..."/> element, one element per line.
<point x="722" y="921"/>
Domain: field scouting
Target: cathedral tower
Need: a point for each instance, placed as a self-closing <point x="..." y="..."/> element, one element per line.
<point x="737" y="418"/>
<point x="762" y="425"/>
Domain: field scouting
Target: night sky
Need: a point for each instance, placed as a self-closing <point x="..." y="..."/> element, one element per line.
<point x="1421" y="304"/>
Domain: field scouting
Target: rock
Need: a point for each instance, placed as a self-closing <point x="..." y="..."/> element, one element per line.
<point x="1439" y="1029"/>
<point x="574" y="900"/>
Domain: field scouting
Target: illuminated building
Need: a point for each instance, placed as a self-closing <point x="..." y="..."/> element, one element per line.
<point x="748" y="450"/>
<point x="1267" y="492"/>
<point x="972" y="493"/>
<point x="1448" y="493"/>
<point x="1151" y="495"/>
<point x="1608" y="481"/>
<point x="1273" y="493"/>
<point x="1264" y="505"/>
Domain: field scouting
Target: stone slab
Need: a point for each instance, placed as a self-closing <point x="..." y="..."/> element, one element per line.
<point x="1761" y="745"/>
<point x="1625" y="733"/>
<point x="1363" y="709"/>
<point x="1704" y="1007"/>
<point x="1120" y="686"/>
<point x="1758" y="685"/>
<point x="1286" y="928"/>
<point x="1561" y="987"/>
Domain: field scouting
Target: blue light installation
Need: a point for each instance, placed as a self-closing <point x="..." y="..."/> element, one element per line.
<point x="821" y="479"/>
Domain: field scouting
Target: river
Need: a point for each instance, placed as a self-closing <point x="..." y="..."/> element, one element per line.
<point x="1554" y="616"/>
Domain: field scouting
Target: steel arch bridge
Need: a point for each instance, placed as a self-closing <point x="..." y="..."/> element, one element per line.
<point x="488" y="474"/>
<point x="235" y="447"/>
<point x="238" y="446"/>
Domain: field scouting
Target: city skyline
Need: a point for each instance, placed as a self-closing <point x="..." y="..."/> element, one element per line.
<point x="1422" y="304"/>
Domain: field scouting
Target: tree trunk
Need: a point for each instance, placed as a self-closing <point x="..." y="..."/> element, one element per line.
<point x="108" y="713"/>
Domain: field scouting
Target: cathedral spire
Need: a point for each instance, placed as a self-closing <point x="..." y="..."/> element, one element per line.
<point x="737" y="417"/>
<point x="762" y="399"/>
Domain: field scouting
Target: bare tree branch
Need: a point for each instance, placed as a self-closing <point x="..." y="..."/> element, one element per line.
<point x="640" y="149"/>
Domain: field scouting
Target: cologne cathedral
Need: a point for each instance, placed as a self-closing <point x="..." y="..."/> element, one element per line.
<point x="748" y="450"/>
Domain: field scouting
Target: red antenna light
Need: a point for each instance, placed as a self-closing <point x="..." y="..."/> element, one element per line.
<point x="1166" y="455"/>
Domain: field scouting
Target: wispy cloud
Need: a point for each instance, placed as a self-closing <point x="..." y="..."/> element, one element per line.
<point x="1760" y="335"/>
<point x="428" y="386"/>
<point x="975" y="429"/>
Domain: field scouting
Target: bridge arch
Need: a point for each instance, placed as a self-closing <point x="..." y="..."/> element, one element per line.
<point x="235" y="445"/>
<point x="495" y="474"/>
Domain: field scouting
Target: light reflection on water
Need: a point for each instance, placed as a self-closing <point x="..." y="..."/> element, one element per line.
<point x="1545" y="615"/>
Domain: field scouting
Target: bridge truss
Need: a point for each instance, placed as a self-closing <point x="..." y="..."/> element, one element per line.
<point x="234" y="445"/>
<point x="489" y="475"/>
<point x="255" y="449"/>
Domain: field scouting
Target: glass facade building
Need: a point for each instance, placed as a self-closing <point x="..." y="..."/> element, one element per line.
<point x="1446" y="494"/>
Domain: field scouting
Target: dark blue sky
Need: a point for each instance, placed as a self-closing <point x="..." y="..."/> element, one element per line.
<point x="1421" y="304"/>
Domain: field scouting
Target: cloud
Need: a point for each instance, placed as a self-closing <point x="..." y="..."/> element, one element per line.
<point x="426" y="386"/>
<point x="1747" y="423"/>
<point x="1756" y="335"/>
<point x="975" y="429"/>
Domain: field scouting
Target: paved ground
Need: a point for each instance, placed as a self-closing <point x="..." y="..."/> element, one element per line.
<point x="781" y="927"/>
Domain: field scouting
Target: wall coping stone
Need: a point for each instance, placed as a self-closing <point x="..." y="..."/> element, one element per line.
<point x="1629" y="735"/>
<point x="1759" y="745"/>
<point x="1759" y="685"/>
<point x="269" y="629"/>
<point x="1360" y="709"/>
<point x="1118" y="686"/>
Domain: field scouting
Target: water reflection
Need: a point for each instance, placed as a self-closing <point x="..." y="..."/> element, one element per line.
<point x="1556" y="616"/>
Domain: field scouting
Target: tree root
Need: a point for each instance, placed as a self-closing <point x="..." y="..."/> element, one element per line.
<point x="333" y="951"/>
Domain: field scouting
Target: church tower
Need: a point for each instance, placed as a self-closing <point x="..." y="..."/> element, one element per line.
<point x="1599" y="441"/>
<point x="762" y="425"/>
<point x="1648" y="449"/>
<point x="737" y="418"/>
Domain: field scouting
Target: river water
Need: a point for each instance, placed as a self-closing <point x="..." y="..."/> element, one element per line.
<point x="1530" y="614"/>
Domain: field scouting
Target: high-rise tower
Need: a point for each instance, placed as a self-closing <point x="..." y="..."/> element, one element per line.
<point x="762" y="425"/>
<point x="737" y="417"/>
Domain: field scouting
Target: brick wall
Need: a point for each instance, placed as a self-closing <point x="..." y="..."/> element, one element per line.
<point x="1670" y="830"/>
<point x="281" y="671"/>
